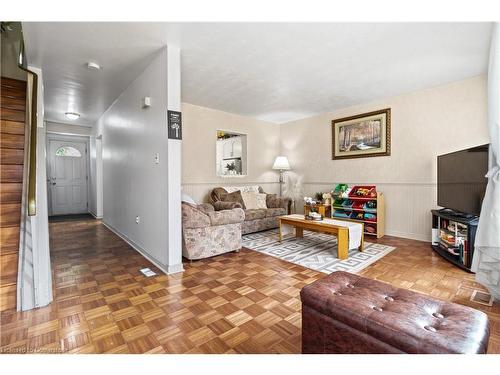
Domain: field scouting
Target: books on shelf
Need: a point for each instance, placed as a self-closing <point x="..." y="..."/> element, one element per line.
<point x="453" y="239"/>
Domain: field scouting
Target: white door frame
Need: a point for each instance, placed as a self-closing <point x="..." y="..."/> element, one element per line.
<point x="68" y="138"/>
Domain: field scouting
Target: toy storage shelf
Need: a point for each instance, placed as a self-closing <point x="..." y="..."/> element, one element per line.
<point x="357" y="214"/>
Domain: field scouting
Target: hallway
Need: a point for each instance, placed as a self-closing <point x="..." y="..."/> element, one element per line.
<point x="245" y="303"/>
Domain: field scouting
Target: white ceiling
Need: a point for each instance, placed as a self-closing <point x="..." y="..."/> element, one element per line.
<point x="271" y="71"/>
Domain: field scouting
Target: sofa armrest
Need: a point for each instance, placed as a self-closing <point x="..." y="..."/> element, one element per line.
<point x="192" y="217"/>
<point x="273" y="201"/>
<point x="234" y="216"/>
<point x="219" y="206"/>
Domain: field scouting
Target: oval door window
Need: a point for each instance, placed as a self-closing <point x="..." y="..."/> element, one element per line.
<point x="68" y="151"/>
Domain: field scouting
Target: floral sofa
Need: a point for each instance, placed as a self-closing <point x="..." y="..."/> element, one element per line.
<point x="206" y="232"/>
<point x="255" y="220"/>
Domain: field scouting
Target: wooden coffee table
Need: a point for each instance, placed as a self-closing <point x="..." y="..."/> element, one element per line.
<point x="323" y="226"/>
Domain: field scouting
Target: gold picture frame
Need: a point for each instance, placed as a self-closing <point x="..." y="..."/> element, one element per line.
<point x="360" y="136"/>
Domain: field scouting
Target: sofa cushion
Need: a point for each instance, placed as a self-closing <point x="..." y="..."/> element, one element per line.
<point x="255" y="214"/>
<point x="271" y="212"/>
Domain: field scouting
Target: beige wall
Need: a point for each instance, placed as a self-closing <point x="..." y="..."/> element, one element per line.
<point x="425" y="124"/>
<point x="198" y="150"/>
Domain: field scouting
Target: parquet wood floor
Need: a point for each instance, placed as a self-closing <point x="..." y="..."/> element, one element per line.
<point x="242" y="302"/>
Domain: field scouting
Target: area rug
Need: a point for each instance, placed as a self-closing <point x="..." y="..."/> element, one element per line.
<point x="316" y="251"/>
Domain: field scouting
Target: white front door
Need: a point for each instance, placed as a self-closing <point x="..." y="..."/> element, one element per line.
<point x="68" y="177"/>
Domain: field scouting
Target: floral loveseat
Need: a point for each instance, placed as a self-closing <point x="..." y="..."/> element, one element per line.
<point x="255" y="220"/>
<point x="206" y="232"/>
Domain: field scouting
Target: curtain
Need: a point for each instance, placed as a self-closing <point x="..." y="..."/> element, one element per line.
<point x="486" y="262"/>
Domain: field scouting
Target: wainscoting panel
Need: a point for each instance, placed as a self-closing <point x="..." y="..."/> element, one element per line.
<point x="407" y="206"/>
<point x="199" y="191"/>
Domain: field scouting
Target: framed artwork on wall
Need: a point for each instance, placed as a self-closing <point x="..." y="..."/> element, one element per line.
<point x="364" y="135"/>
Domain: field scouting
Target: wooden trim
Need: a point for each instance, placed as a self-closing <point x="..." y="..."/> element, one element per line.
<point x="387" y="152"/>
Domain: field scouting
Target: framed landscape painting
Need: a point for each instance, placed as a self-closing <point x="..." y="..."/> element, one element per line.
<point x="364" y="135"/>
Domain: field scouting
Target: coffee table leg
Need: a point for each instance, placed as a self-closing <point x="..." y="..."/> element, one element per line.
<point x="280" y="235"/>
<point x="299" y="232"/>
<point x="343" y="243"/>
<point x="362" y="244"/>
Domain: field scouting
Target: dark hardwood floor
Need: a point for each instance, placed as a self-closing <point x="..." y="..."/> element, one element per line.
<point x="242" y="302"/>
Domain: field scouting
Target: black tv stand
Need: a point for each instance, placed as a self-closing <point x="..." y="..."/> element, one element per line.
<point x="456" y="235"/>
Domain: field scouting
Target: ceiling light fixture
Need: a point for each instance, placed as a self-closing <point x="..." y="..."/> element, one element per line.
<point x="93" y="66"/>
<point x="72" y="115"/>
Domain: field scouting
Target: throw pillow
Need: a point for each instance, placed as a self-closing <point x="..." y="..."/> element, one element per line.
<point x="234" y="197"/>
<point x="243" y="189"/>
<point x="261" y="200"/>
<point x="250" y="200"/>
<point x="272" y="201"/>
<point x="254" y="201"/>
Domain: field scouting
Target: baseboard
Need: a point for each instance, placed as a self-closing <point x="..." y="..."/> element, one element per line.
<point x="410" y="236"/>
<point x="164" y="268"/>
<point x="95" y="215"/>
<point x="175" y="268"/>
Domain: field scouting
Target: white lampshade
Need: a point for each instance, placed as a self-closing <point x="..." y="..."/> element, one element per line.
<point x="281" y="163"/>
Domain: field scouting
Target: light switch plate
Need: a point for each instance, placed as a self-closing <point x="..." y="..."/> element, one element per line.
<point x="146" y="102"/>
<point x="157" y="158"/>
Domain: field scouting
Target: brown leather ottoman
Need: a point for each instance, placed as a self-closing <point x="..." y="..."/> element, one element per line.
<point x="346" y="313"/>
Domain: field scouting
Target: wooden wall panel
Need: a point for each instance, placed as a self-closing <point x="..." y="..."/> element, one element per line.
<point x="11" y="156"/>
<point x="12" y="127"/>
<point x="9" y="240"/>
<point x="11" y="173"/>
<point x="13" y="115"/>
<point x="8" y="297"/>
<point x="12" y="140"/>
<point x="10" y="214"/>
<point x="8" y="269"/>
<point x="11" y="192"/>
<point x="12" y="103"/>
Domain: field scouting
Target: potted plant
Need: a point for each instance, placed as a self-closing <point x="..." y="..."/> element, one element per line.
<point x="318" y="197"/>
<point x="231" y="167"/>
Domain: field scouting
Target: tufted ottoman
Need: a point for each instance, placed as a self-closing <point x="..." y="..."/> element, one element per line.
<point x="346" y="313"/>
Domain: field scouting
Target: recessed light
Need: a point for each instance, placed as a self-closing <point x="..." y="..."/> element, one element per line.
<point x="93" y="66"/>
<point x="72" y="115"/>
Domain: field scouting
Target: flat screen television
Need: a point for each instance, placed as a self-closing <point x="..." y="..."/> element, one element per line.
<point x="461" y="179"/>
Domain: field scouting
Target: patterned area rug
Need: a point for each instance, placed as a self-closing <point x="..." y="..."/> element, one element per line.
<point x="316" y="251"/>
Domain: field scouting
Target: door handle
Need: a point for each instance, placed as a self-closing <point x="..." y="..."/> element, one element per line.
<point x="53" y="183"/>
